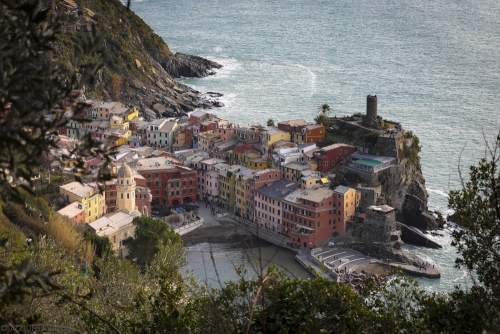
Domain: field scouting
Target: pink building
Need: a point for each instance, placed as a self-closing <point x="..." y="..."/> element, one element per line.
<point x="225" y="135"/>
<point x="269" y="204"/>
<point x="259" y="179"/>
<point x="202" y="168"/>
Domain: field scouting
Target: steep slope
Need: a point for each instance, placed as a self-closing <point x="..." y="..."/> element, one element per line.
<point x="139" y="68"/>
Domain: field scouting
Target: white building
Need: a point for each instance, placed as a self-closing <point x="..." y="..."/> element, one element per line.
<point x="161" y="132"/>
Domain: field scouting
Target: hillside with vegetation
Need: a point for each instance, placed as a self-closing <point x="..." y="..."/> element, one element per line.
<point x="138" y="67"/>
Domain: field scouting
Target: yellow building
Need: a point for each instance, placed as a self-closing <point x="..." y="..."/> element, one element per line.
<point x="118" y="225"/>
<point x="227" y="181"/>
<point x="309" y="181"/>
<point x="240" y="192"/>
<point x="259" y="164"/>
<point x="270" y="136"/>
<point x="293" y="171"/>
<point x="116" y="122"/>
<point x="313" y="164"/>
<point x="132" y="113"/>
<point x="89" y="195"/>
<point x="207" y="139"/>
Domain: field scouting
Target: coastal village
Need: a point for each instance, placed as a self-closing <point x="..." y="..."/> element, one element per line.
<point x="283" y="179"/>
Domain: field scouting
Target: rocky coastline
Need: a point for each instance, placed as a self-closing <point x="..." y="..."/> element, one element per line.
<point x="163" y="96"/>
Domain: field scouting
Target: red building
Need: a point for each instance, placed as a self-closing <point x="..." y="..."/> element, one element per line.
<point x="309" y="216"/>
<point x="169" y="183"/>
<point x="110" y="195"/>
<point x="332" y="155"/>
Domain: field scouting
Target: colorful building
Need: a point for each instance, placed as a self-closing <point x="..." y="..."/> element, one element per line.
<point x="309" y="217"/>
<point x="268" y="203"/>
<point x="258" y="179"/>
<point x="74" y="211"/>
<point x="271" y="135"/>
<point x="345" y="201"/>
<point x="227" y="181"/>
<point x="332" y="155"/>
<point x="169" y="183"/>
<point x="89" y="195"/>
<point x="312" y="133"/>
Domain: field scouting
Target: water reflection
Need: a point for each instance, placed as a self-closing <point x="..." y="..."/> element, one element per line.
<point x="217" y="262"/>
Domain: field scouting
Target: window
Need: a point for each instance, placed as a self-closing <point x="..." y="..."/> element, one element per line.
<point x="121" y="196"/>
<point x="166" y="175"/>
<point x="319" y="224"/>
<point x="149" y="176"/>
<point x="149" y="184"/>
<point x="128" y="196"/>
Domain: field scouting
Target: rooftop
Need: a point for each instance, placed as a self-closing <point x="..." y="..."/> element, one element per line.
<point x="381" y="208"/>
<point x="378" y="158"/>
<point x="334" y="146"/>
<point x="81" y="190"/>
<point x="72" y="209"/>
<point x="212" y="161"/>
<point x="317" y="195"/>
<point x="278" y="190"/>
<point x="297" y="166"/>
<point x="198" y="113"/>
<point x="342" y="189"/>
<point x="107" y="105"/>
<point x="368" y="162"/>
<point x="295" y="122"/>
<point x="167" y="126"/>
<point x="113" y="222"/>
<point x="158" y="163"/>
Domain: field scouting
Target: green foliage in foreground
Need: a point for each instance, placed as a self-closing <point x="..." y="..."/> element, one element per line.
<point x="149" y="235"/>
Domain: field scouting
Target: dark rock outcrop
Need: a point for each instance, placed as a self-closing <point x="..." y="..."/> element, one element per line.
<point x="182" y="65"/>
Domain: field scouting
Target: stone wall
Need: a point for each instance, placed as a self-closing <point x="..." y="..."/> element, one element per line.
<point x="369" y="196"/>
<point x="385" y="146"/>
<point x="379" y="226"/>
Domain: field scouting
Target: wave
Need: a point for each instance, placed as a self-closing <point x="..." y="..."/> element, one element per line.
<point x="229" y="65"/>
<point x="437" y="191"/>
<point x="312" y="77"/>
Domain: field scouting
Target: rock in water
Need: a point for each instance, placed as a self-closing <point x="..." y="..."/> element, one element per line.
<point x="188" y="66"/>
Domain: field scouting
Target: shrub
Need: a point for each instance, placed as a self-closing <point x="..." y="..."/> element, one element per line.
<point x="371" y="138"/>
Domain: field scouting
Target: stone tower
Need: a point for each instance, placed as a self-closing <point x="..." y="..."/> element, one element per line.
<point x="372" y="119"/>
<point x="380" y="225"/>
<point x="125" y="187"/>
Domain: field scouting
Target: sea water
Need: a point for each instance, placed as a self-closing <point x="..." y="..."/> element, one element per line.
<point x="433" y="65"/>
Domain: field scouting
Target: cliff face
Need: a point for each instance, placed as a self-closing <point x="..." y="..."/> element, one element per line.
<point x="403" y="185"/>
<point x="404" y="189"/>
<point x="139" y="68"/>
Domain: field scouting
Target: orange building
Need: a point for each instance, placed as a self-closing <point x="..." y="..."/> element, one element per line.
<point x="309" y="133"/>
